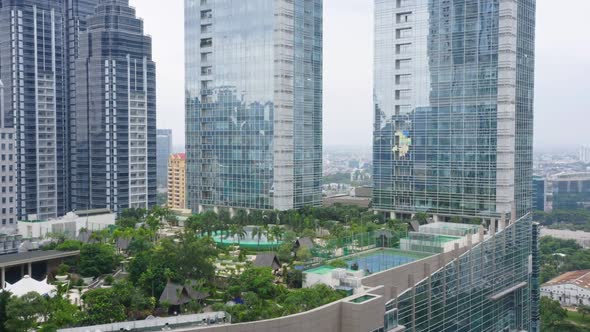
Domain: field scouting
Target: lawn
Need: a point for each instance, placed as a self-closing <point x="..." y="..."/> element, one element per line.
<point x="578" y="319"/>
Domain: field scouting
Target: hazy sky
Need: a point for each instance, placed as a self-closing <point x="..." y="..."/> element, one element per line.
<point x="562" y="78"/>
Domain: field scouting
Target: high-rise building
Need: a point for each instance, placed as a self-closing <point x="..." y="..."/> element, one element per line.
<point x="253" y="103"/>
<point x="454" y="107"/>
<point x="32" y="65"/>
<point x="177" y="181"/>
<point x="115" y="115"/>
<point x="38" y="40"/>
<point x="584" y="154"/>
<point x="164" y="149"/>
<point x="75" y="15"/>
<point x="8" y="220"/>
<point x="454" y="89"/>
<point x="540" y="193"/>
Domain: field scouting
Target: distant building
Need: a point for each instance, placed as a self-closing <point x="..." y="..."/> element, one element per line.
<point x="347" y="199"/>
<point x="115" y="112"/>
<point x="177" y="181"/>
<point x="164" y="149"/>
<point x="571" y="191"/>
<point x="570" y="289"/>
<point x="539" y="193"/>
<point x="584" y="154"/>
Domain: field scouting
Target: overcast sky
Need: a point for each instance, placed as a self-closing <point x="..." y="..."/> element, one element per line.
<point x="562" y="80"/>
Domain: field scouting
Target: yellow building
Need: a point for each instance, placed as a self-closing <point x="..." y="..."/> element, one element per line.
<point x="177" y="181"/>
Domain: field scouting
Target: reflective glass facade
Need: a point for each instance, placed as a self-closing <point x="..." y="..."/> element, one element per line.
<point x="454" y="106"/>
<point x="39" y="40"/>
<point x="164" y="149"/>
<point x="115" y="114"/>
<point x="489" y="288"/>
<point x="253" y="103"/>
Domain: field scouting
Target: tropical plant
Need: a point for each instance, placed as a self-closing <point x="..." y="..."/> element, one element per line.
<point x="257" y="233"/>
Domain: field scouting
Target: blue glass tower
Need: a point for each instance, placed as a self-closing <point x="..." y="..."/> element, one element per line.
<point x="454" y="107"/>
<point x="115" y="114"/>
<point x="454" y="89"/>
<point x="253" y="103"/>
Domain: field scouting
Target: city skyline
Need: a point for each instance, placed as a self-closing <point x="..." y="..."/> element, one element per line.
<point x="560" y="61"/>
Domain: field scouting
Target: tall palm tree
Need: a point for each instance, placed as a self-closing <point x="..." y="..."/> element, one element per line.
<point x="237" y="232"/>
<point x="277" y="233"/>
<point x="257" y="233"/>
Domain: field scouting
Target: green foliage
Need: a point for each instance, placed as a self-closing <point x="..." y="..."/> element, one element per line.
<point x="102" y="307"/>
<point x="97" y="259"/>
<point x="189" y="259"/>
<point x="560" y="256"/>
<point x="256" y="306"/>
<point x="116" y="304"/>
<point x="421" y="217"/>
<point x="303" y="254"/>
<point x="69" y="245"/>
<point x="338" y="263"/>
<point x="284" y="252"/>
<point x="574" y="219"/>
<point x="24" y="312"/>
<point x="554" y="317"/>
<point x="4" y="299"/>
<point x="63" y="269"/>
<point x="258" y="280"/>
<point x="295" y="278"/>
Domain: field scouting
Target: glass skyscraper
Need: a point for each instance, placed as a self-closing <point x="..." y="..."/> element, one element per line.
<point x="253" y="103"/>
<point x="38" y="40"/>
<point x="164" y="150"/>
<point x="454" y="88"/>
<point x="454" y="107"/>
<point x="115" y="114"/>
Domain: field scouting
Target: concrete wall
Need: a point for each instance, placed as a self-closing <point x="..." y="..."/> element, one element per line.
<point x="568" y="295"/>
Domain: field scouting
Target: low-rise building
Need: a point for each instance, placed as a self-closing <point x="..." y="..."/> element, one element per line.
<point x="570" y="289"/>
<point x="68" y="225"/>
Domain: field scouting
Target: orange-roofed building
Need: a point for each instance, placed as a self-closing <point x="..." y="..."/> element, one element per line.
<point x="570" y="289"/>
<point x="177" y="181"/>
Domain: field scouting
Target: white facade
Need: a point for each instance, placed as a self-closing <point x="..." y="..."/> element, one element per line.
<point x="568" y="295"/>
<point x="69" y="225"/>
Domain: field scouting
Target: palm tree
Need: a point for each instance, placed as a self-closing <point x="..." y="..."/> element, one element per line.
<point x="257" y="232"/>
<point x="237" y="232"/>
<point x="210" y="222"/>
<point x="277" y="233"/>
<point x="195" y="223"/>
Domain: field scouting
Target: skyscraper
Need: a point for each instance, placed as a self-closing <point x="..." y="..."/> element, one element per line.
<point x="7" y="173"/>
<point x="38" y="48"/>
<point x="164" y="149"/>
<point x="454" y="89"/>
<point x="253" y="103"/>
<point x="454" y="107"/>
<point x="75" y="15"/>
<point x="33" y="69"/>
<point x="115" y="115"/>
